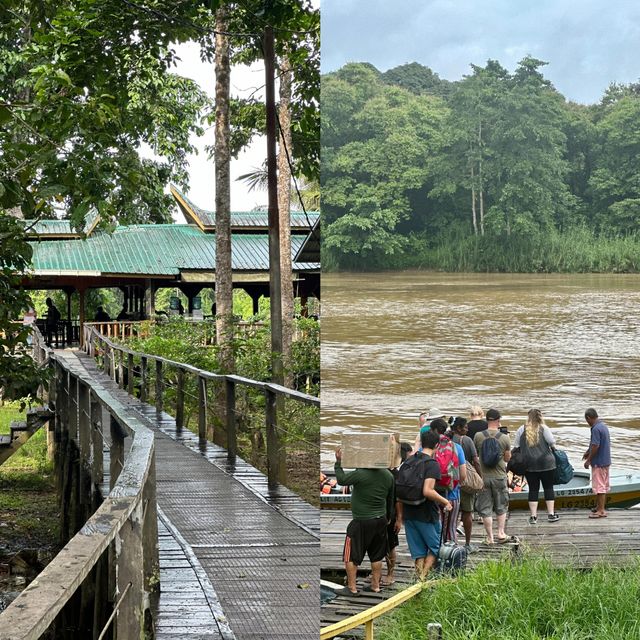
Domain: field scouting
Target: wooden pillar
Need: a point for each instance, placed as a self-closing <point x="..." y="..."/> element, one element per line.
<point x="304" y="306"/>
<point x="232" y="438"/>
<point x="180" y="399"/>
<point x="255" y="304"/>
<point x="143" y="379"/>
<point x="159" y="386"/>
<point x="149" y="298"/>
<point x="82" y="312"/>
<point x="273" y="439"/>
<point x="202" y="408"/>
<point x="129" y="622"/>
<point x="117" y="451"/>
<point x="97" y="461"/>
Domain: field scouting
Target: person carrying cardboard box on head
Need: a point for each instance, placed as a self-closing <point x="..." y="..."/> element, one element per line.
<point x="371" y="508"/>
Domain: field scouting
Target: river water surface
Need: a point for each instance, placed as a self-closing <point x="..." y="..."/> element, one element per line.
<point x="394" y="344"/>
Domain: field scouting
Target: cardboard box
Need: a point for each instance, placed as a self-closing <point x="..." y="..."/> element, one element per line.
<point x="370" y="450"/>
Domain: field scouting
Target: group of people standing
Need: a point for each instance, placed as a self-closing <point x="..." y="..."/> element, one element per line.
<point x="479" y="445"/>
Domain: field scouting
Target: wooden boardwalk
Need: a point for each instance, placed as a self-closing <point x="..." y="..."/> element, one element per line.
<point x="575" y="540"/>
<point x="237" y="560"/>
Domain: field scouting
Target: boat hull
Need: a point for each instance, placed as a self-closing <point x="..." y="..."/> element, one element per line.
<point x="625" y="493"/>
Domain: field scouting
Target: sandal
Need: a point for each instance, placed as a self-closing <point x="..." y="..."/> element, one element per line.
<point x="370" y="590"/>
<point x="597" y="515"/>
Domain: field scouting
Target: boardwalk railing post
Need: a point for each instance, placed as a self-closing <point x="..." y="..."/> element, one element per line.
<point x="202" y="408"/>
<point x="180" y="399"/>
<point x="150" y="532"/>
<point x="159" y="386"/>
<point x="84" y="442"/>
<point x="116" y="451"/>
<point x="143" y="379"/>
<point x="130" y="373"/>
<point x="273" y="441"/>
<point x="130" y="578"/>
<point x="120" y="369"/>
<point x="232" y="436"/>
<point x="97" y="461"/>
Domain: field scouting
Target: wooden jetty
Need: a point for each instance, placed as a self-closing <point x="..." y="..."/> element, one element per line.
<point x="575" y="540"/>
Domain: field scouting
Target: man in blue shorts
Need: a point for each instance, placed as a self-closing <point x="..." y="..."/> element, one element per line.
<point x="422" y="522"/>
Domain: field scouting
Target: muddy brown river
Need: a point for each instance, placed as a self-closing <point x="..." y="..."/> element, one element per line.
<point x="394" y="344"/>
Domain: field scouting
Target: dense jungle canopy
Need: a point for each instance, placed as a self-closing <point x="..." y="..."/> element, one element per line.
<point x="498" y="161"/>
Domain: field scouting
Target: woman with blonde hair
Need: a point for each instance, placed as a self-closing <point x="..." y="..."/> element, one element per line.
<point x="476" y="421"/>
<point x="536" y="443"/>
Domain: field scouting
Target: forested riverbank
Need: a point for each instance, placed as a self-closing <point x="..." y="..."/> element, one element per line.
<point x="495" y="172"/>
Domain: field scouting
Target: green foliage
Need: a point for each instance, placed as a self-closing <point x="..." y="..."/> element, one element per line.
<point x="83" y="85"/>
<point x="527" y="600"/>
<point x="498" y="155"/>
<point x="19" y="375"/>
<point x="577" y="250"/>
<point x="385" y="140"/>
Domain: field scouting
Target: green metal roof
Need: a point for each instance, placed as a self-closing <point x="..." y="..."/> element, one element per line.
<point x="248" y="220"/>
<point x="163" y="249"/>
<point x="49" y="228"/>
<point x="46" y="228"/>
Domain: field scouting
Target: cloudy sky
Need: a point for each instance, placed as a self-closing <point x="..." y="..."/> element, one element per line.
<point x="587" y="43"/>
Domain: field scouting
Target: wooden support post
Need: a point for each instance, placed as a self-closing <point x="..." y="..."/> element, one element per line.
<point x="113" y="363"/>
<point x="73" y="407"/>
<point x="143" y="379"/>
<point x="129" y="622"/>
<point x="121" y="369"/>
<point x="180" y="399"/>
<point x="159" y="386"/>
<point x="232" y="436"/>
<point x="84" y="442"/>
<point x="273" y="440"/>
<point x="130" y="373"/>
<point x="117" y="451"/>
<point x="150" y="532"/>
<point x="202" y="408"/>
<point x="368" y="630"/>
<point x="51" y="439"/>
<point x="97" y="458"/>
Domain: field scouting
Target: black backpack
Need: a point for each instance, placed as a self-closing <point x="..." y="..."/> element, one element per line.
<point x="410" y="479"/>
<point x="490" y="452"/>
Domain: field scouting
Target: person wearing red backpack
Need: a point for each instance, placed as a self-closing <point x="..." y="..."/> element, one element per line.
<point x="453" y="470"/>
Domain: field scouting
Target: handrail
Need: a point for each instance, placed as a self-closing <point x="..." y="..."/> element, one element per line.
<point x="91" y="331"/>
<point x="80" y="403"/>
<point x="118" y="363"/>
<point x="369" y="615"/>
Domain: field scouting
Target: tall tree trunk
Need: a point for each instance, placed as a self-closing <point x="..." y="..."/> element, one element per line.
<point x="222" y="158"/>
<point x="480" y="185"/>
<point x="284" y="206"/>
<point x="473" y="203"/>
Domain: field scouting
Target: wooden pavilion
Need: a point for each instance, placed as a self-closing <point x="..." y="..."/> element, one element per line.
<point x="140" y="259"/>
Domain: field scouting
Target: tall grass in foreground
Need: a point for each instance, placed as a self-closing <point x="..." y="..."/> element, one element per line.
<point x="577" y="250"/>
<point x="527" y="600"/>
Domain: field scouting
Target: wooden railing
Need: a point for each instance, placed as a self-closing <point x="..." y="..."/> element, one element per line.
<point x="368" y="616"/>
<point x="131" y="370"/>
<point x="99" y="585"/>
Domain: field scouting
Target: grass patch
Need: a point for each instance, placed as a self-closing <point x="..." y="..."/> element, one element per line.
<point x="8" y="413"/>
<point x="29" y="514"/>
<point x="527" y="600"/>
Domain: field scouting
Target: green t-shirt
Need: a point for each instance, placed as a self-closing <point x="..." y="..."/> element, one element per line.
<point x="372" y="492"/>
<point x="500" y="470"/>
